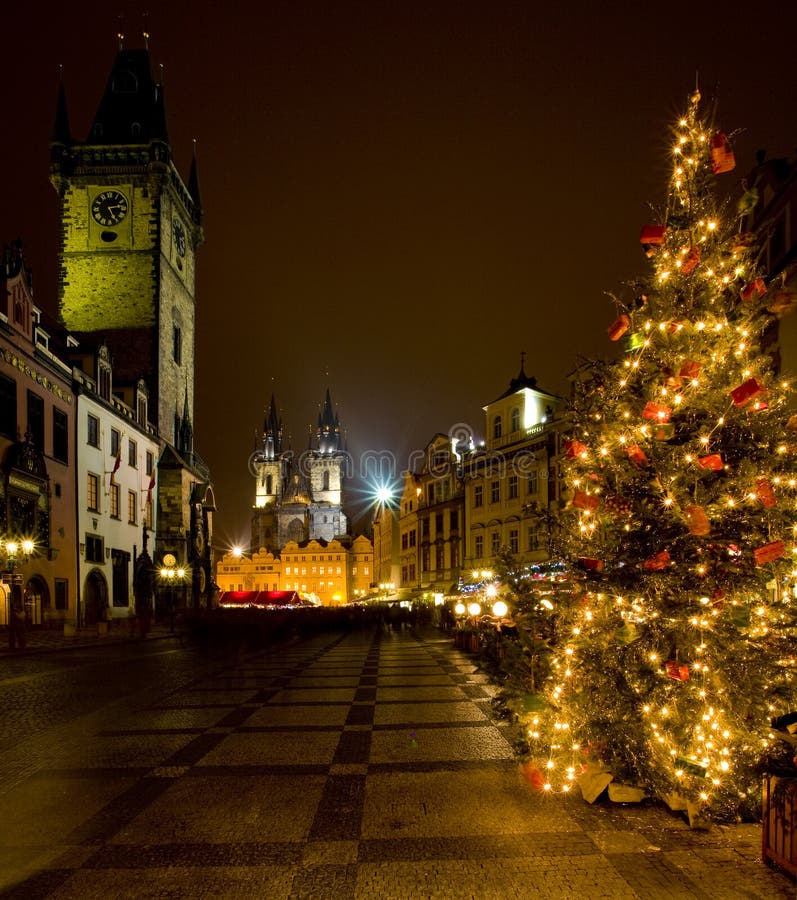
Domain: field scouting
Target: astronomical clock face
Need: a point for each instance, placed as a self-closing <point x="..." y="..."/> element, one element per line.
<point x="179" y="237"/>
<point x="109" y="208"/>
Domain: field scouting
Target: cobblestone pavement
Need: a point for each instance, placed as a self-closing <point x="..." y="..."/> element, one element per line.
<point x="355" y="765"/>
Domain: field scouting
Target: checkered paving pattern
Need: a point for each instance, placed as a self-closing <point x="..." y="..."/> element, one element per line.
<point x="359" y="766"/>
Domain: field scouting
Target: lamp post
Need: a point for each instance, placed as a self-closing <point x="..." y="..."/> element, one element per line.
<point x="12" y="549"/>
<point x="169" y="575"/>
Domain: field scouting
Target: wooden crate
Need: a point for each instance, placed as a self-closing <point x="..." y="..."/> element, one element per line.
<point x="779" y="819"/>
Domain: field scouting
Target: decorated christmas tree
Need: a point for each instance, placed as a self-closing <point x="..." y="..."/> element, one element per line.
<point x="675" y="648"/>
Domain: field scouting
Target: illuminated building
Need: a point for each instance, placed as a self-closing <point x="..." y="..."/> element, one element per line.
<point x="511" y="483"/>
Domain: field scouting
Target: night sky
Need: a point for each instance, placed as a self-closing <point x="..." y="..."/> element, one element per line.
<point x="399" y="198"/>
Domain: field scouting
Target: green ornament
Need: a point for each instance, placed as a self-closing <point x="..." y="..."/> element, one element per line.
<point x="634" y="341"/>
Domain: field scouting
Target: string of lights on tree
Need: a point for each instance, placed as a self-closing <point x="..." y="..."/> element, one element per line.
<point x="674" y="650"/>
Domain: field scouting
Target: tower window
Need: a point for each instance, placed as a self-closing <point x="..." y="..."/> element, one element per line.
<point x="325" y="484"/>
<point x="177" y="346"/>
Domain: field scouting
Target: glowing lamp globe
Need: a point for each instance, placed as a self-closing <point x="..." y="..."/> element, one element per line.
<point x="474" y="609"/>
<point x="500" y="609"/>
<point x="383" y="494"/>
<point x="459" y="609"/>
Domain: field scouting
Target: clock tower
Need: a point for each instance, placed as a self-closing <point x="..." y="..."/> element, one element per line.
<point x="130" y="228"/>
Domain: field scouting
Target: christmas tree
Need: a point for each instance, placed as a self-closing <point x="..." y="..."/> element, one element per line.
<point x="675" y="648"/>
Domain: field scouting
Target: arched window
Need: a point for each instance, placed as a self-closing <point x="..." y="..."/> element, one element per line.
<point x="497" y="427"/>
<point x="269" y="483"/>
<point x="325" y="482"/>
<point x="515" y="420"/>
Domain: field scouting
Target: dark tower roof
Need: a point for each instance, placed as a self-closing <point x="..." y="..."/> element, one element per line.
<point x="131" y="110"/>
<point x="61" y="132"/>
<point x="193" y="186"/>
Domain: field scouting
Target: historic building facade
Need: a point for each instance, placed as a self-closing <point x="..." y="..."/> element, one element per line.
<point x="130" y="229"/>
<point x="512" y="483"/>
<point x="37" y="459"/>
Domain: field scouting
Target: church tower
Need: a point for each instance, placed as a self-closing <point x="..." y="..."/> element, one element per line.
<point x="270" y="468"/>
<point x="326" y="465"/>
<point x="130" y="228"/>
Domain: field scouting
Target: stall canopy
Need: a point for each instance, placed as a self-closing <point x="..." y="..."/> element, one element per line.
<point x="262" y="599"/>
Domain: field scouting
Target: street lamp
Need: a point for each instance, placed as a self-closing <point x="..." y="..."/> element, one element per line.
<point x="15" y="609"/>
<point x="170" y="574"/>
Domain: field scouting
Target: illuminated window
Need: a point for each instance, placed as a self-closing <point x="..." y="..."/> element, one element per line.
<point x="113" y="495"/>
<point x="93" y="492"/>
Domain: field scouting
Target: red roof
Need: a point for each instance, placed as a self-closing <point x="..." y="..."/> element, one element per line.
<point x="262" y="598"/>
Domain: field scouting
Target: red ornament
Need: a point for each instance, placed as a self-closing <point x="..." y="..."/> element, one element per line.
<point x="769" y="552"/>
<point x="533" y="775"/>
<point x="754" y="291"/>
<point x="698" y="520"/>
<point x="764" y="492"/>
<point x="619" y="506"/>
<point x="574" y="449"/>
<point x="746" y="391"/>
<point x="722" y="158"/>
<point x="652" y="235"/>
<point x="657" y="412"/>
<point x="590" y="563"/>
<point x="619" y="327"/>
<point x="657" y="562"/>
<point x="677" y="671"/>
<point x="691" y="260"/>
<point x="713" y="462"/>
<point x="588" y="502"/>
<point x="690" y="369"/>
<point x="637" y="455"/>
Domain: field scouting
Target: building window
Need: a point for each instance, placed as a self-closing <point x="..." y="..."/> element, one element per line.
<point x="142" y="411"/>
<point x="515" y="426"/>
<point x="454" y="520"/>
<point x="150" y="462"/>
<point x="132" y="454"/>
<point x="61" y="593"/>
<point x="412" y="538"/>
<point x="478" y="546"/>
<point x="115" y="438"/>
<point x="104" y="382"/>
<point x="533" y="538"/>
<point x="512" y="487"/>
<point x="113" y="495"/>
<point x="95" y="549"/>
<point x="132" y="507"/>
<point x="60" y="436"/>
<point x="497" y="427"/>
<point x="438" y="524"/>
<point x="513" y="540"/>
<point x="532" y="483"/>
<point x="36" y="420"/>
<point x="495" y="542"/>
<point x="405" y="540"/>
<point x="430" y="493"/>
<point x="148" y="513"/>
<point x="93" y="492"/>
<point x="177" y="345"/>
<point x="93" y="431"/>
<point x="478" y="495"/>
<point x="425" y="529"/>
<point x="495" y="491"/>
<point x="8" y="407"/>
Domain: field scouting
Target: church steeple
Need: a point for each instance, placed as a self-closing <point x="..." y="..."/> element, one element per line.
<point x="328" y="429"/>
<point x="193" y="188"/>
<point x="272" y="432"/>
<point x="186" y="431"/>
